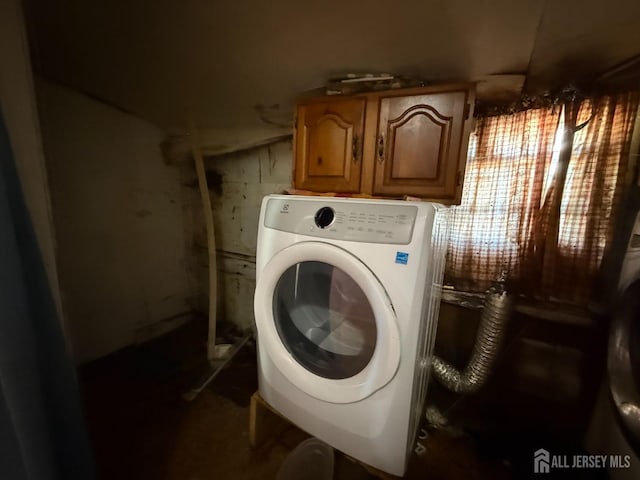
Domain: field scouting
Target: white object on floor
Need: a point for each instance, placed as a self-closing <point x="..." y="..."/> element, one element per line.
<point x="311" y="460"/>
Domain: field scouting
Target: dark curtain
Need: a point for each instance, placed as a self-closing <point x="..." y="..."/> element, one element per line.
<point x="42" y="431"/>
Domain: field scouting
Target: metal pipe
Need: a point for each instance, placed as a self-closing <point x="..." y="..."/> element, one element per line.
<point x="491" y="330"/>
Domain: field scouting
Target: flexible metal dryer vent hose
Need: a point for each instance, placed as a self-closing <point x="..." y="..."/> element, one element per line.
<point x="493" y="323"/>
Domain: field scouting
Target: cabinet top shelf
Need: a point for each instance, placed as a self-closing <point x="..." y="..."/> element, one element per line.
<point x="395" y="92"/>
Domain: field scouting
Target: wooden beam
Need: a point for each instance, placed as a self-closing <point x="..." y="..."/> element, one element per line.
<point x="264" y="422"/>
<point x="211" y="238"/>
<point x="178" y="149"/>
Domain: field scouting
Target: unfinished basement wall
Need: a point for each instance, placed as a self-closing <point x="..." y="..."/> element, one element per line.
<point x="117" y="209"/>
<point x="237" y="184"/>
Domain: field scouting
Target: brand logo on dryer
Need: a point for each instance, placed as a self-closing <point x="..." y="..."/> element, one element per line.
<point x="285" y="208"/>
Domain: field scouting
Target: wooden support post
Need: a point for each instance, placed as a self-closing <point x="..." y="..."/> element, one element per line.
<point x="212" y="353"/>
<point x="264" y="422"/>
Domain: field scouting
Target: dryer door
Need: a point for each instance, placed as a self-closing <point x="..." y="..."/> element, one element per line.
<point x="326" y="322"/>
<point x="624" y="363"/>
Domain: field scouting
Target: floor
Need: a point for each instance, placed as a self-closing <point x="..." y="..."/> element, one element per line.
<point x="142" y="428"/>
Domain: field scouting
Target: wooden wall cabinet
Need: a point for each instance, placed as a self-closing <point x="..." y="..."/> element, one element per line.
<point x="389" y="144"/>
<point x="329" y="155"/>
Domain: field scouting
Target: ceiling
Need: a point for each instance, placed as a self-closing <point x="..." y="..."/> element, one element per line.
<point x="217" y="62"/>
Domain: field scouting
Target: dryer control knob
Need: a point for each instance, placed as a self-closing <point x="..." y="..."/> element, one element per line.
<point x="324" y="217"/>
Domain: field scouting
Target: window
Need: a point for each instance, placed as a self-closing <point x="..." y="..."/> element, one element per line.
<point x="506" y="215"/>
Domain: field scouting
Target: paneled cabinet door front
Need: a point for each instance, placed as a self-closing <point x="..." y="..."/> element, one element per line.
<point x="418" y="145"/>
<point x="329" y="145"/>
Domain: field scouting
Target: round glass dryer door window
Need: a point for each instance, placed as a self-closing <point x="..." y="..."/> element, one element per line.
<point x="324" y="319"/>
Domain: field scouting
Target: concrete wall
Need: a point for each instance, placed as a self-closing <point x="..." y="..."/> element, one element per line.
<point x="118" y="215"/>
<point x="237" y="184"/>
<point x="20" y="115"/>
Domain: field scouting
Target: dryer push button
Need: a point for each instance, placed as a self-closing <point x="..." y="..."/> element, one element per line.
<point x="324" y="217"/>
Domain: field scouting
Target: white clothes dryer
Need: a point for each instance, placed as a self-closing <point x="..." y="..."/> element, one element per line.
<point x="346" y="307"/>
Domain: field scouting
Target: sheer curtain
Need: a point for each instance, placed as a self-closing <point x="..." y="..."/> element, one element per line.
<point x="595" y="175"/>
<point x="508" y="207"/>
<point x="508" y="159"/>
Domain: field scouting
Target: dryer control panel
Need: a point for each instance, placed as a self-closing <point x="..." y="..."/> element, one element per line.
<point x="351" y="221"/>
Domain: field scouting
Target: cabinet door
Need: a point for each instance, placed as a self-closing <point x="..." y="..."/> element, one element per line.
<point x="421" y="145"/>
<point x="329" y="145"/>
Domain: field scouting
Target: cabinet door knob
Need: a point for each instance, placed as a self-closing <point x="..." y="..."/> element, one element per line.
<point x="380" y="148"/>
<point x="319" y="160"/>
<point x="355" y="147"/>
